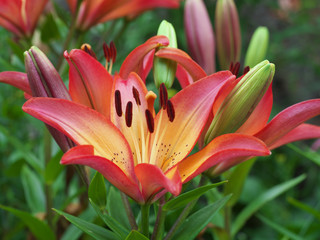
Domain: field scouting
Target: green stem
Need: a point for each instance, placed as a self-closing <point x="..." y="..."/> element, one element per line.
<point x="227" y="220"/>
<point x="158" y="227"/>
<point x="129" y="212"/>
<point x="48" y="190"/>
<point x="144" y="224"/>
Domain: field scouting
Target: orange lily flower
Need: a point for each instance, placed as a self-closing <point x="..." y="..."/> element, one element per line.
<point x="288" y="126"/>
<point x="21" y="16"/>
<point x="92" y="12"/>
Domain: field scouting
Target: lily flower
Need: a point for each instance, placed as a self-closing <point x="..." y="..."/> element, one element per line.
<point x="21" y="16"/>
<point x="286" y="127"/>
<point x="92" y="12"/>
<point x="142" y="153"/>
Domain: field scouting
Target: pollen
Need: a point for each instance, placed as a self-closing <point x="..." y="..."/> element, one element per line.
<point x="117" y="102"/>
<point x="129" y="114"/>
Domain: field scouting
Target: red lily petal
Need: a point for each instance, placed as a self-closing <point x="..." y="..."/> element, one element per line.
<point x="90" y="83"/>
<point x="84" y="155"/>
<point x="85" y="127"/>
<point x="134" y="61"/>
<point x="259" y="116"/>
<point x="226" y="149"/>
<point x="152" y="180"/>
<point x="183" y="76"/>
<point x="16" y="79"/>
<point x="288" y="119"/>
<point x="303" y="131"/>
<point x="184" y="60"/>
<point x="192" y="105"/>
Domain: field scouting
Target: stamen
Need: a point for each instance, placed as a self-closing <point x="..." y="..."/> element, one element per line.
<point x="246" y="70"/>
<point x="113" y="51"/>
<point x="117" y="102"/>
<point x="170" y="111"/>
<point x="136" y="95"/>
<point x="231" y="67"/>
<point x="87" y="48"/>
<point x="163" y="96"/>
<point x="236" y="68"/>
<point x="150" y="121"/>
<point x="129" y="114"/>
<point x="106" y="52"/>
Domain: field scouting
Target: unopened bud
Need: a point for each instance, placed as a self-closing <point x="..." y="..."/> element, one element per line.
<point x="164" y="70"/>
<point x="258" y="46"/>
<point x="228" y="33"/>
<point x="45" y="81"/>
<point x="199" y="33"/>
<point x="237" y="107"/>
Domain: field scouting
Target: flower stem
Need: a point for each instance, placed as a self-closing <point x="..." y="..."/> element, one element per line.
<point x="144" y="224"/>
<point x="48" y="190"/>
<point x="227" y="219"/>
<point x="129" y="212"/>
<point x="158" y="227"/>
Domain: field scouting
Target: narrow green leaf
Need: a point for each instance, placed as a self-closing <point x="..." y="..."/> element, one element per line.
<point x="33" y="190"/>
<point x="97" y="191"/>
<point x="187" y="197"/>
<point x="134" y="235"/>
<point x="53" y="168"/>
<point x="197" y="221"/>
<point x="116" y="208"/>
<point x="237" y="179"/>
<point x="91" y="229"/>
<point x="311" y="155"/>
<point x="38" y="228"/>
<point x="49" y="29"/>
<point x="304" y="207"/>
<point x="279" y="228"/>
<point x="262" y="199"/>
<point x="113" y="224"/>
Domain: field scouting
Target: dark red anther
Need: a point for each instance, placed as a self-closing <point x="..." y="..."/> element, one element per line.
<point x="113" y="51"/>
<point x="170" y="111"/>
<point x="106" y="51"/>
<point x="246" y="70"/>
<point x="117" y="102"/>
<point x="163" y="96"/>
<point x="231" y="67"/>
<point x="136" y="95"/>
<point x="236" y="68"/>
<point x="150" y="121"/>
<point x="129" y="114"/>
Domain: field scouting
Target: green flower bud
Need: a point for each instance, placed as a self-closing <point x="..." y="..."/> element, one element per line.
<point x="258" y="46"/>
<point x="164" y="70"/>
<point x="241" y="101"/>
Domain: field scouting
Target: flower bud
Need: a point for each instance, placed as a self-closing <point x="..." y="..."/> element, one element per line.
<point x="258" y="46"/>
<point x="164" y="70"/>
<point x="201" y="46"/>
<point x="237" y="107"/>
<point x="228" y="33"/>
<point x="44" y="81"/>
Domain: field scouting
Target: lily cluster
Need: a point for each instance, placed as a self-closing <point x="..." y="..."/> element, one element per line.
<point x="114" y="128"/>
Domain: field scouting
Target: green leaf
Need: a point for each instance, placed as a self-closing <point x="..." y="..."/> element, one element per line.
<point x="237" y="179"/>
<point x="53" y="168"/>
<point x="279" y="228"/>
<point x="311" y="155"/>
<point x="134" y="235"/>
<point x="91" y="229"/>
<point x="197" y="221"/>
<point x="49" y="30"/>
<point x="262" y="199"/>
<point x="187" y="197"/>
<point x="38" y="228"/>
<point x="33" y="190"/>
<point x="113" y="224"/>
<point x="116" y="208"/>
<point x="304" y="207"/>
<point x="97" y="191"/>
<point x="28" y="156"/>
